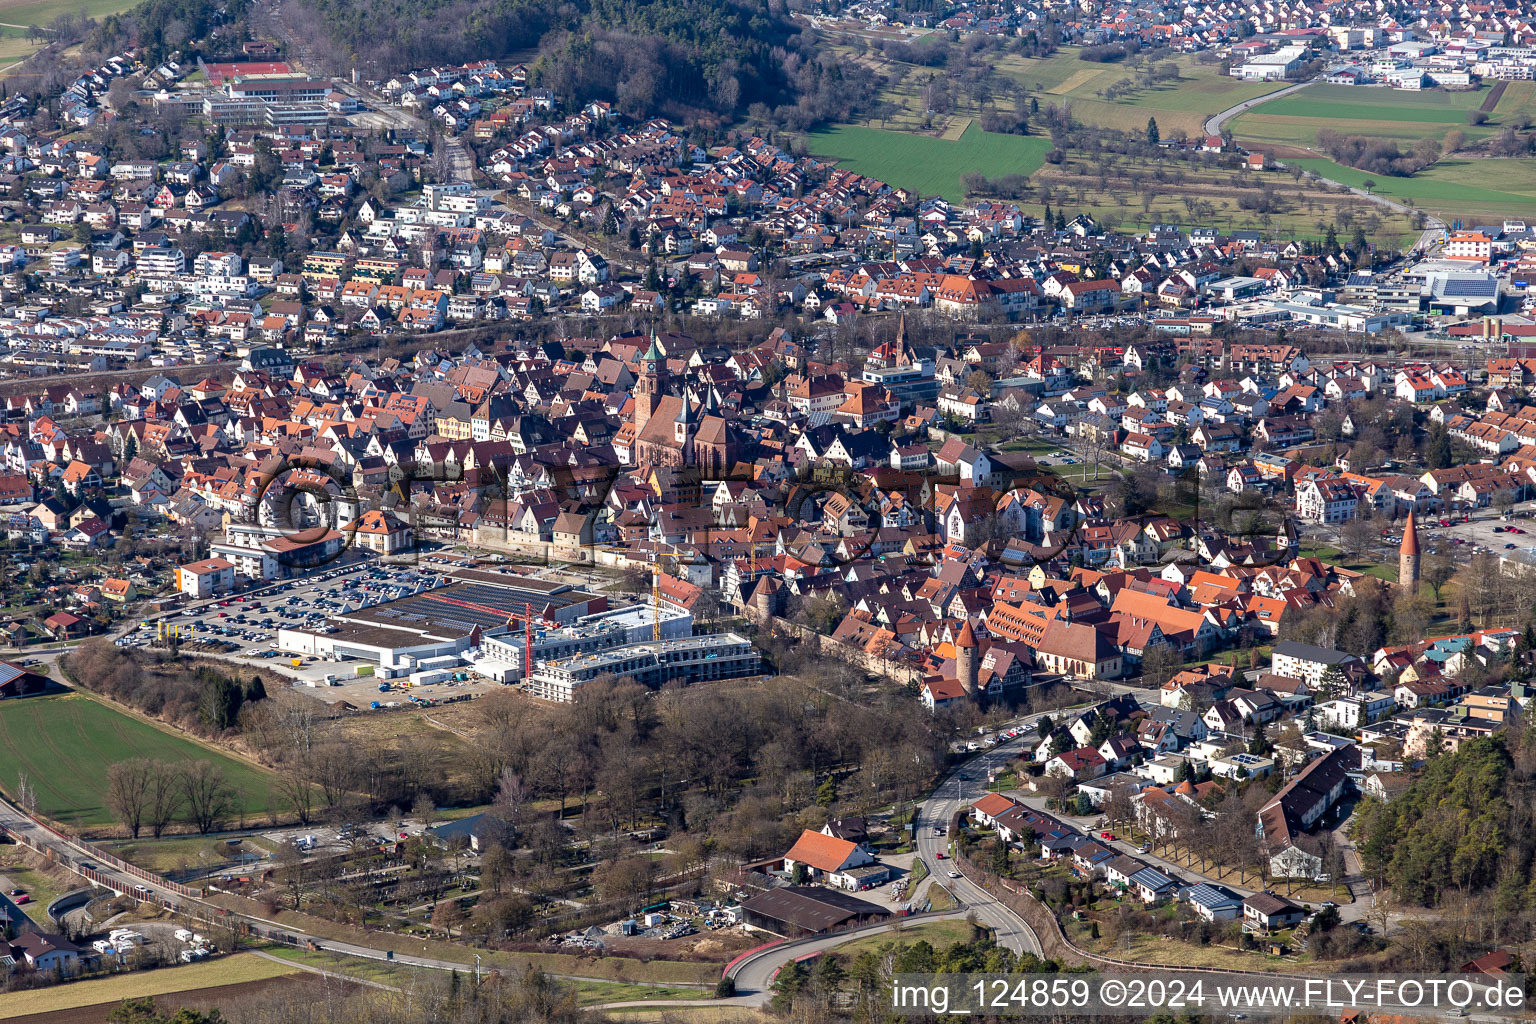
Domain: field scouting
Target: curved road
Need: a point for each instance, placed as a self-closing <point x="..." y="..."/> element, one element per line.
<point x="1215" y="122"/>
<point x="965" y="785"/>
<point x="1433" y="226"/>
<point x="753" y="975"/>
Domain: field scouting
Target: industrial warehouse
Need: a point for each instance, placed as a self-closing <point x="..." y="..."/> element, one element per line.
<point x="549" y="637"/>
<point x="446" y="620"/>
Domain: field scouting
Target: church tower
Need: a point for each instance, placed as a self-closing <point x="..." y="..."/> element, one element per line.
<point x="1408" y="556"/>
<point x="651" y="385"/>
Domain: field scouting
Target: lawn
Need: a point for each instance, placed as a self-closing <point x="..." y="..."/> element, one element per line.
<point x="928" y="165"/>
<point x="589" y="993"/>
<point x="66" y="743"/>
<point x="613" y="968"/>
<point x="230" y="970"/>
<point x="167" y="855"/>
<point x="382" y="971"/>
<point x="593" y="993"/>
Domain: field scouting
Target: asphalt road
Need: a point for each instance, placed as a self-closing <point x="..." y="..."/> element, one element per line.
<point x="1215" y="123"/>
<point x="754" y="975"/>
<point x="1433" y="226"/>
<point x="953" y="793"/>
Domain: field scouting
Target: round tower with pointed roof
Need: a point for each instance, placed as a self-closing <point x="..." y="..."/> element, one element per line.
<point x="764" y="603"/>
<point x="1408" y="556"/>
<point x="966" y="669"/>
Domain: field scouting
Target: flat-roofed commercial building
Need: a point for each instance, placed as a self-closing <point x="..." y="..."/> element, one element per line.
<point x="689" y="660"/>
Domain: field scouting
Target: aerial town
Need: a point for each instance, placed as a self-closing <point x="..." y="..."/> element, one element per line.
<point x="608" y="528"/>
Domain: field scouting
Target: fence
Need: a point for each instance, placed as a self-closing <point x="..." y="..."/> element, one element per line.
<point x="95" y="853"/>
<point x="1090" y="957"/>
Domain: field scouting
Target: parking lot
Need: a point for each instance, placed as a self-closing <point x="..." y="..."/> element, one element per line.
<point x="1486" y="531"/>
<point x="1458" y="535"/>
<point x="244" y="627"/>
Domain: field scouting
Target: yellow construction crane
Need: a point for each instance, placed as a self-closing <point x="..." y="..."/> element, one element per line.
<point x="658" y="560"/>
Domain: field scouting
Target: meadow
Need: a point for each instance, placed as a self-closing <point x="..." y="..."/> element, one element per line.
<point x="41" y="12"/>
<point x="1128" y="196"/>
<point x="1295" y="120"/>
<point x="66" y="743"/>
<point x="926" y="164"/>
<point x="17" y="15"/>
<point x="1505" y="187"/>
<point x="1179" y="106"/>
<point x="106" y="993"/>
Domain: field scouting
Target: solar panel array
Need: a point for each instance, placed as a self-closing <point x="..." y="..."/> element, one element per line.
<point x="461" y="605"/>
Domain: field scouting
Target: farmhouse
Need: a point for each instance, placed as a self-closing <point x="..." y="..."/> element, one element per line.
<point x="838" y="862"/>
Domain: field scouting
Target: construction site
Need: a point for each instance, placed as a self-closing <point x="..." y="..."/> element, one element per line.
<point x="546" y="637"/>
<point x="447" y="620"/>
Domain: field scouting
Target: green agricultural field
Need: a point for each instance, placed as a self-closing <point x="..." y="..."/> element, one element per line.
<point x="1353" y="103"/>
<point x="1504" y="186"/>
<point x="928" y="165"/>
<point x="41" y="12"/>
<point x="1296" y="119"/>
<point x="65" y="744"/>
<point x="17" y="15"/>
<point x="1179" y="106"/>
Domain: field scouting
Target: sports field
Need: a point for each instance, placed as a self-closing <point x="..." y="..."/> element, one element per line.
<point x="1503" y="187"/>
<point x="66" y="743"/>
<point x="1296" y="119"/>
<point x="926" y="164"/>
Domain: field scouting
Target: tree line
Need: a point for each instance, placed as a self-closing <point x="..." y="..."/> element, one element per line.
<point x="147" y="794"/>
<point x="198" y="697"/>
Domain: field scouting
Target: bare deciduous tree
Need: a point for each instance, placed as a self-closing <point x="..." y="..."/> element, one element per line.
<point x="208" y="796"/>
<point x="128" y="784"/>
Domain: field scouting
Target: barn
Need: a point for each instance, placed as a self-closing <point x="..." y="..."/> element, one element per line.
<point x="796" y="911"/>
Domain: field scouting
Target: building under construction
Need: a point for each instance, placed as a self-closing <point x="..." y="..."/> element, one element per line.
<point x="503" y="658"/>
<point x="653" y="663"/>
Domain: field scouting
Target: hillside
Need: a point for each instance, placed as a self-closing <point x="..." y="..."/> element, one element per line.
<point x="1462" y="826"/>
<point x="646" y="56"/>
